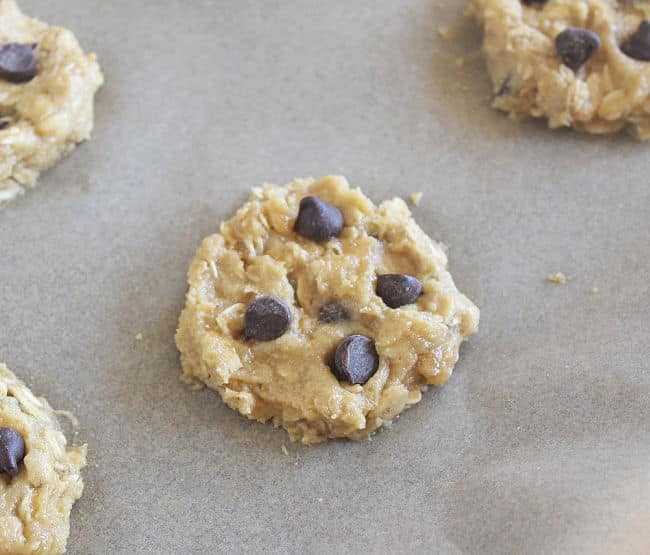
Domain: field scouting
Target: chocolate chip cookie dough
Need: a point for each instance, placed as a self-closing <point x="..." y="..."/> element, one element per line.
<point x="47" y="87"/>
<point x="39" y="474"/>
<point x="320" y="311"/>
<point x="582" y="64"/>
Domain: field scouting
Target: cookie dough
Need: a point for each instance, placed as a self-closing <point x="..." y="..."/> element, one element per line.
<point x="284" y="316"/>
<point x="36" y="492"/>
<point x="608" y="91"/>
<point x="43" y="118"/>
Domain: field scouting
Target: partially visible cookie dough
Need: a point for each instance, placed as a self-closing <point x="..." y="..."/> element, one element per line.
<point x="329" y="326"/>
<point x="608" y="92"/>
<point x="35" y="504"/>
<point x="42" y="120"/>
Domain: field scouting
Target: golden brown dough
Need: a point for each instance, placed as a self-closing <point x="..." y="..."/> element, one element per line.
<point x="610" y="92"/>
<point x="288" y="380"/>
<point x="35" y="505"/>
<point x="45" y="118"/>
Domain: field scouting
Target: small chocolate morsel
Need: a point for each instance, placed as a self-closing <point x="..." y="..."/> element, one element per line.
<point x="575" y="46"/>
<point x="356" y="359"/>
<point x="505" y="88"/>
<point x="398" y="289"/>
<point x="534" y="2"/>
<point x="333" y="312"/>
<point x="318" y="220"/>
<point x="17" y="62"/>
<point x="3" y="123"/>
<point x="12" y="451"/>
<point x="637" y="46"/>
<point x="266" y="318"/>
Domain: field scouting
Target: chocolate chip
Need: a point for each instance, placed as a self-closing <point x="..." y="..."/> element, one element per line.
<point x="534" y="2"/>
<point x="398" y="289"/>
<point x="318" y="220"/>
<point x="575" y="46"/>
<point x="266" y="318"/>
<point x="3" y="123"/>
<point x="356" y="359"/>
<point x="637" y="46"/>
<point x="12" y="451"/>
<point x="333" y="312"/>
<point x="17" y="62"/>
<point x="504" y="89"/>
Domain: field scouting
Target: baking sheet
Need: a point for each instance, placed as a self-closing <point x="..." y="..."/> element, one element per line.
<point x="541" y="441"/>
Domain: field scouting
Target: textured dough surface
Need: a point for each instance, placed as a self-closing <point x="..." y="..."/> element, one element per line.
<point x="288" y="380"/>
<point x="35" y="505"/>
<point x="51" y="113"/>
<point x="609" y="93"/>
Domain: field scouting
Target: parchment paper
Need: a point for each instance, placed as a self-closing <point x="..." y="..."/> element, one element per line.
<point x="541" y="441"/>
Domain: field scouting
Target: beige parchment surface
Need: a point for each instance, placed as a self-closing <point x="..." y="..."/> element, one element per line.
<point x="540" y="442"/>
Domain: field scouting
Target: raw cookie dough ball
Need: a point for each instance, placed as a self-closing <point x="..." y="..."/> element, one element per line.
<point x="336" y="361"/>
<point x="47" y="88"/>
<point x="39" y="475"/>
<point x="577" y="64"/>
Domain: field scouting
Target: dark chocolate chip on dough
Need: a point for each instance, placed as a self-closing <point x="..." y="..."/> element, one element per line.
<point x="505" y="88"/>
<point x="356" y="359"/>
<point x="398" y="289"/>
<point x="333" y="311"/>
<point x="318" y="220"/>
<point x="533" y="2"/>
<point x="637" y="46"/>
<point x="3" y="123"/>
<point x="17" y="62"/>
<point x="12" y="451"/>
<point x="266" y="318"/>
<point x="575" y="46"/>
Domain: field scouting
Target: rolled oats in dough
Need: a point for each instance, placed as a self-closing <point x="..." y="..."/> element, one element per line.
<point x="42" y="119"/>
<point x="35" y="505"/>
<point x="288" y="380"/>
<point x="608" y="93"/>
